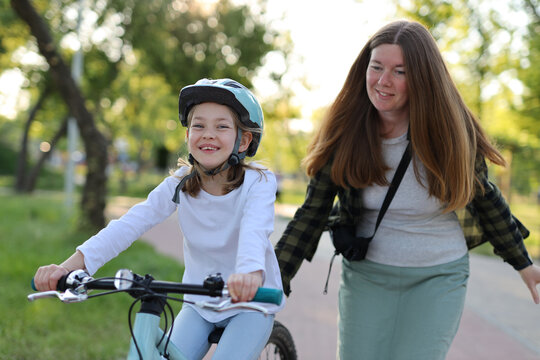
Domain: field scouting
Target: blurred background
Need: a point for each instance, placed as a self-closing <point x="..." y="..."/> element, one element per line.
<point x="89" y="90"/>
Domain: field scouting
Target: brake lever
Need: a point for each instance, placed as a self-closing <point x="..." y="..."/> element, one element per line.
<point x="67" y="297"/>
<point x="228" y="305"/>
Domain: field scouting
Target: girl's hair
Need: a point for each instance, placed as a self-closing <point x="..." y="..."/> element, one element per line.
<point x="446" y="137"/>
<point x="235" y="174"/>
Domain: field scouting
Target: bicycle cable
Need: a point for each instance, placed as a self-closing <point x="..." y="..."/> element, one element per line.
<point x="144" y="286"/>
<point x="171" y="313"/>
<point x="131" y="327"/>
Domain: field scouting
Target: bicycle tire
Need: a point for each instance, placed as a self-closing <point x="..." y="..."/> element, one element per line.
<point x="280" y="345"/>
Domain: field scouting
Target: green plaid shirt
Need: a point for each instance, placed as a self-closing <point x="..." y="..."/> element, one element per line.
<point x="486" y="218"/>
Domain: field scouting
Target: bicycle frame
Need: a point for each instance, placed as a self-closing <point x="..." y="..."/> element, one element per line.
<point x="150" y="340"/>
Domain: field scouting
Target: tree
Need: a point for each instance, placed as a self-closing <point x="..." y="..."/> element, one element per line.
<point x="530" y="73"/>
<point x="176" y="43"/>
<point x="22" y="182"/>
<point x="138" y="54"/>
<point x="529" y="111"/>
<point x="196" y="40"/>
<point x="94" y="191"/>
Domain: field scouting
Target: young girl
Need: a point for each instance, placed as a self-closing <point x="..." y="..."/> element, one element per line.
<point x="226" y="213"/>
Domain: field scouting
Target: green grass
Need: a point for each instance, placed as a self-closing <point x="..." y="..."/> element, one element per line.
<point x="35" y="231"/>
<point x="136" y="185"/>
<point x="48" y="180"/>
<point x="292" y="192"/>
<point x="527" y="210"/>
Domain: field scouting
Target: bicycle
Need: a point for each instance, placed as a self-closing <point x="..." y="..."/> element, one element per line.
<point x="148" y="340"/>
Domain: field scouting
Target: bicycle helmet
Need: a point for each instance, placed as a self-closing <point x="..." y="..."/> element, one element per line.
<point x="225" y="92"/>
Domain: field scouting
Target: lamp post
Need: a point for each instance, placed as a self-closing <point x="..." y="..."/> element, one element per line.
<point x="72" y="130"/>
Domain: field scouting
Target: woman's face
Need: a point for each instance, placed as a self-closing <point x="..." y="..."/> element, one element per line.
<point x="212" y="134"/>
<point x="386" y="83"/>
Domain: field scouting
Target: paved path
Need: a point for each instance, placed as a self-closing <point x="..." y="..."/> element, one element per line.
<point x="500" y="321"/>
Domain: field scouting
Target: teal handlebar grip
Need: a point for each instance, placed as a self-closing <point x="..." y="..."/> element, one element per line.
<point x="33" y="284"/>
<point x="267" y="295"/>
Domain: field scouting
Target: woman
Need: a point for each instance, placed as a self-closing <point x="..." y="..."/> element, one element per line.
<point x="405" y="299"/>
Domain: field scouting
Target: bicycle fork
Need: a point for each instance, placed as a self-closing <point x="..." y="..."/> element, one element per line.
<point x="148" y="334"/>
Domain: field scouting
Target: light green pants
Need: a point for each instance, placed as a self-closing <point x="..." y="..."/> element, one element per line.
<point x="400" y="313"/>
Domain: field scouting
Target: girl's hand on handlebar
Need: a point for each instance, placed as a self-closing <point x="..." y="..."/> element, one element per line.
<point x="242" y="287"/>
<point x="47" y="277"/>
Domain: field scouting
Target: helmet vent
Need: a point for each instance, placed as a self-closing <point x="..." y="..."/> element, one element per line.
<point x="233" y="84"/>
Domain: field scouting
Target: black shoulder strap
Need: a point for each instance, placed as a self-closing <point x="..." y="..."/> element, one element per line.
<point x="396" y="180"/>
<point x="394" y="185"/>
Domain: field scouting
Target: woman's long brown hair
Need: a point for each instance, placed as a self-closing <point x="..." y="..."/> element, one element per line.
<point x="446" y="137"/>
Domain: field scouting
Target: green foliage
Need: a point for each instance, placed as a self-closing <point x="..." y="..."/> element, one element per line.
<point x="134" y="184"/>
<point x="292" y="191"/>
<point x="36" y="231"/>
<point x="187" y="40"/>
<point x="283" y="145"/>
<point x="13" y="34"/>
<point x="527" y="210"/>
<point x="479" y="42"/>
<point x="529" y="74"/>
<point x="7" y="160"/>
<point x="137" y="56"/>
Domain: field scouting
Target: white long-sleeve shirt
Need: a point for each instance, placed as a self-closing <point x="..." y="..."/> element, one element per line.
<point x="226" y="234"/>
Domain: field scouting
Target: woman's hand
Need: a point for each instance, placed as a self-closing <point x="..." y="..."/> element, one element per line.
<point x="242" y="287"/>
<point x="531" y="278"/>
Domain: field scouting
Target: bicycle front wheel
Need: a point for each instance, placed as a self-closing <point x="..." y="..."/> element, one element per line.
<point x="280" y="345"/>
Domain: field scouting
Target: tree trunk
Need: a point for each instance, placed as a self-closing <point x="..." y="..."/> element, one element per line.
<point x="21" y="180"/>
<point x="95" y="145"/>
<point x="34" y="173"/>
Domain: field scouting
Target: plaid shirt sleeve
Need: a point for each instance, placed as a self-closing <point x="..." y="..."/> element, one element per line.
<point x="301" y="238"/>
<point x="488" y="218"/>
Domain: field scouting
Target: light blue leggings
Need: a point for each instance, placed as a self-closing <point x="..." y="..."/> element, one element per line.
<point x="244" y="337"/>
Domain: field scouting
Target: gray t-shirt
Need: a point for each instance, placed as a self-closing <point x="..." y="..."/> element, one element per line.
<point x="414" y="230"/>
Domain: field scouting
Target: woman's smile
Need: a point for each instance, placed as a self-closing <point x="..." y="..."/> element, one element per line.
<point x="386" y="82"/>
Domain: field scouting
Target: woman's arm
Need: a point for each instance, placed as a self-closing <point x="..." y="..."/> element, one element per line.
<point x="504" y="231"/>
<point x="498" y="226"/>
<point x="299" y="241"/>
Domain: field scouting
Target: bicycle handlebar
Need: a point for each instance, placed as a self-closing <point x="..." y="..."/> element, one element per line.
<point x="79" y="282"/>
